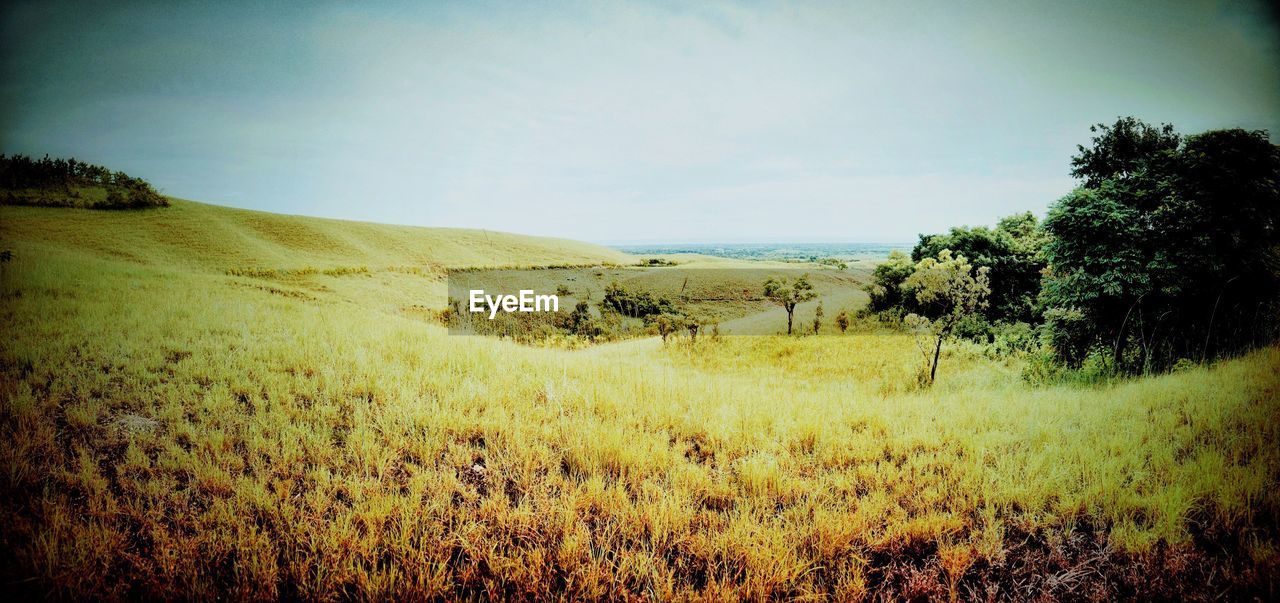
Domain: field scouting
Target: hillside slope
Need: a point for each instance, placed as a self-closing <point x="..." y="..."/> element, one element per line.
<point x="219" y="239"/>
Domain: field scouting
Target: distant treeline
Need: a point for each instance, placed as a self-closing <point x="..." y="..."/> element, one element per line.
<point x="1167" y="253"/>
<point x="72" y="183"/>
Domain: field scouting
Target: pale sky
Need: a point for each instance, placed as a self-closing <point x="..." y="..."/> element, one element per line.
<point x="625" y="122"/>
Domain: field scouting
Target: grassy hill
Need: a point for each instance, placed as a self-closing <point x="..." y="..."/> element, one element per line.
<point x="200" y="401"/>
<point x="204" y="237"/>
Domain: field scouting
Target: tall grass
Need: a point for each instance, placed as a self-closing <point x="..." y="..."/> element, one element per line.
<point x="171" y="435"/>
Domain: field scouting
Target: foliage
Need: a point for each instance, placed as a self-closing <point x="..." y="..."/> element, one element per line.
<point x="789" y="293"/>
<point x="70" y="183"/>
<point x="951" y="289"/>
<point x="635" y="304"/>
<point x="885" y="289"/>
<point x="1013" y="254"/>
<point x="1122" y="150"/>
<point x="582" y="322"/>
<point x="1168" y="250"/>
<point x="665" y="324"/>
<point x="693" y="323"/>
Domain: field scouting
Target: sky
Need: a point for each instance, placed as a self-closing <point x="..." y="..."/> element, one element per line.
<point x="624" y="122"/>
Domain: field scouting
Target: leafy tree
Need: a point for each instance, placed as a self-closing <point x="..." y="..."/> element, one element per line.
<point x="1098" y="270"/>
<point x="885" y="289"/>
<point x="789" y="293"/>
<point x="1168" y="250"/>
<point x="1122" y="150"/>
<point x="115" y="199"/>
<point x="635" y="304"/>
<point x="817" y="318"/>
<point x="666" y="324"/>
<point x="954" y="289"/>
<point x="693" y="322"/>
<point x="1012" y="251"/>
<point x="583" y="323"/>
<point x="842" y="321"/>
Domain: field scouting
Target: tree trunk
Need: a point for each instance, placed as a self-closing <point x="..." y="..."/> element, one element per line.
<point x="937" y="352"/>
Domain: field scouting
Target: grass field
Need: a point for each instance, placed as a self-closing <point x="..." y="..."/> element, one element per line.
<point x="201" y="401"/>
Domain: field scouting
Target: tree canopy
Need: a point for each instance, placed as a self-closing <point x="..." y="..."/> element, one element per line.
<point x="1167" y="250"/>
<point x="1012" y="252"/>
<point x="953" y="289"/>
<point x="788" y="293"/>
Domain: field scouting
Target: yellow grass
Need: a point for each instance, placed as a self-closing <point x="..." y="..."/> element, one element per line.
<point x="173" y="430"/>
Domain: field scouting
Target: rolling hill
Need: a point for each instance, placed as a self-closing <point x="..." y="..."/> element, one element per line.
<point x="214" y="238"/>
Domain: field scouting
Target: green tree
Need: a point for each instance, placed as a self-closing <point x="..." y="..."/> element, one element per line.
<point x="955" y="290"/>
<point x="1013" y="251"/>
<point x="789" y="293"/>
<point x="635" y="304"/>
<point x="885" y="288"/>
<point x="666" y="324"/>
<point x="1098" y="270"/>
<point x="1122" y="150"/>
<point x="817" y="318"/>
<point x="1168" y="250"/>
<point x="583" y="323"/>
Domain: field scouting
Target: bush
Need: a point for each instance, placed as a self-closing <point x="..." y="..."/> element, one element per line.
<point x="634" y="304"/>
<point x="1043" y="368"/>
<point x="974" y="328"/>
<point x="1014" y="338"/>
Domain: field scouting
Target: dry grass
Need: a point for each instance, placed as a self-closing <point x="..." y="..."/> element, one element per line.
<point x="174" y="431"/>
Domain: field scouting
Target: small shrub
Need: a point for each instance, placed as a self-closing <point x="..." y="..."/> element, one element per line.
<point x="1182" y="365"/>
